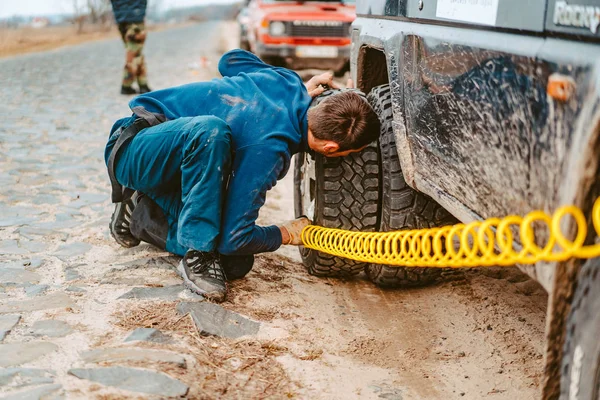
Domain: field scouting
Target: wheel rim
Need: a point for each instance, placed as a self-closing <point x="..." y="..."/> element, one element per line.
<point x="308" y="186"/>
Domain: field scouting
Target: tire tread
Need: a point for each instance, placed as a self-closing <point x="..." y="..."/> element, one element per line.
<point x="351" y="202"/>
<point x="402" y="207"/>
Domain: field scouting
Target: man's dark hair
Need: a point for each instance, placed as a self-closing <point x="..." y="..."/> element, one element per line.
<point x="345" y="118"/>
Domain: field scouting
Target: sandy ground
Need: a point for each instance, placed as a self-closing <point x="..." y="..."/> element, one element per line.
<point x="477" y="334"/>
<point x="30" y="40"/>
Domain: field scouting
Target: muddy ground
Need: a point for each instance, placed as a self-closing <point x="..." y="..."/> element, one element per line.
<point x="475" y="334"/>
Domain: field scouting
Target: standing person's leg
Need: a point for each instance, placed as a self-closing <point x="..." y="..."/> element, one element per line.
<point x="140" y="61"/>
<point x="123" y="30"/>
<point x="132" y="51"/>
<point x="181" y="165"/>
<point x="128" y="73"/>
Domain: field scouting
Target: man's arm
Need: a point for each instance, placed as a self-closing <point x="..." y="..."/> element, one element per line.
<point x="255" y="171"/>
<point x="235" y="61"/>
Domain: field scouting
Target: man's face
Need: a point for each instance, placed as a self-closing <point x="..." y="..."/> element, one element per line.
<point x="328" y="148"/>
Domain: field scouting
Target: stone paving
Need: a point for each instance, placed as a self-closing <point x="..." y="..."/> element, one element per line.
<point x="61" y="275"/>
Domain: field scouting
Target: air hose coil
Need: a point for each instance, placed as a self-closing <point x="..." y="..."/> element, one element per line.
<point x="477" y="244"/>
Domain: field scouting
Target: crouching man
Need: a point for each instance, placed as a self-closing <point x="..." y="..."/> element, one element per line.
<point x="191" y="167"/>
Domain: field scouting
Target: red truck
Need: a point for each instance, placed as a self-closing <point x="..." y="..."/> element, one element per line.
<point x="301" y="34"/>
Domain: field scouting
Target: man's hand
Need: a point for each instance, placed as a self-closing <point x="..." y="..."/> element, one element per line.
<point x="291" y="230"/>
<point x="314" y="84"/>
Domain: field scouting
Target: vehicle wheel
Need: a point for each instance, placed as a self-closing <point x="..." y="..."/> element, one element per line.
<point x="341" y="192"/>
<point x="402" y="207"/>
<point x="580" y="369"/>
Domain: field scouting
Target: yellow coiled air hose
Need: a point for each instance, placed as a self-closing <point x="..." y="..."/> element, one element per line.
<point x="478" y="244"/>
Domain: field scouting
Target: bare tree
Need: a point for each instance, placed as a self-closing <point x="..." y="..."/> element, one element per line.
<point x="78" y="16"/>
<point x="97" y="10"/>
<point x="92" y="11"/>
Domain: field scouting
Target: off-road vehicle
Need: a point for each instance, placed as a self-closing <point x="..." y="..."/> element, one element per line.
<point x="489" y="108"/>
<point x="301" y="34"/>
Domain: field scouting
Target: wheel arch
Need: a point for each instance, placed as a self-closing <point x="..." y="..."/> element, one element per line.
<point x="371" y="68"/>
<point x="377" y="61"/>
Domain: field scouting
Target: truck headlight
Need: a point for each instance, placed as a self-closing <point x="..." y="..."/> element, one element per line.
<point x="277" y="28"/>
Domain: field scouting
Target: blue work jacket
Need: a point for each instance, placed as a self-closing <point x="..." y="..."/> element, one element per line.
<point x="266" y="110"/>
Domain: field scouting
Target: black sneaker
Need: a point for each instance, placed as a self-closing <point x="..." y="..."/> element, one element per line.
<point x="202" y="274"/>
<point x="128" y="90"/>
<point x="144" y="89"/>
<point x="121" y="219"/>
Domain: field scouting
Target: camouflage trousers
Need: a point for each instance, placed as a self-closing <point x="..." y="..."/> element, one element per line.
<point x="134" y="36"/>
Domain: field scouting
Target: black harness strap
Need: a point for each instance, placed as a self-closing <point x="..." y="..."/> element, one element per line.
<point x="126" y="134"/>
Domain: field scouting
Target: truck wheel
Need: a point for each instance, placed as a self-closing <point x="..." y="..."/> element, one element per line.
<point x="341" y="192"/>
<point x="580" y="369"/>
<point x="402" y="207"/>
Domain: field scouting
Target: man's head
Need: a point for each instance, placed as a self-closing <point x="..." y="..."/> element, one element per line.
<point x="342" y="123"/>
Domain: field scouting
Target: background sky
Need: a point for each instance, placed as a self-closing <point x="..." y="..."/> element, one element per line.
<point x="9" y="8"/>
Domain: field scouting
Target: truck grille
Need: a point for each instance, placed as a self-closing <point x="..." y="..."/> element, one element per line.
<point x="318" y="29"/>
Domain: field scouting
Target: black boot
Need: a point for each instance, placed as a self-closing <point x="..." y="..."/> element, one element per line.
<point x="128" y="90"/>
<point x="144" y="89"/>
<point x="202" y="274"/>
<point x="236" y="267"/>
<point x="120" y="221"/>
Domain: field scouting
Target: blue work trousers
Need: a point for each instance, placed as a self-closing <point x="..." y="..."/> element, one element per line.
<point x="183" y="165"/>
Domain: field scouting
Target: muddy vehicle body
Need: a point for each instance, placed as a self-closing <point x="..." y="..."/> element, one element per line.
<point x="304" y="34"/>
<point x="489" y="108"/>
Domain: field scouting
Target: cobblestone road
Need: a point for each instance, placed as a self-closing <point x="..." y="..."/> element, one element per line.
<point x="57" y="108"/>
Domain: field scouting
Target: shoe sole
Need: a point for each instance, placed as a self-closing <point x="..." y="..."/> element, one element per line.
<point x="195" y="289"/>
<point x="112" y="227"/>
